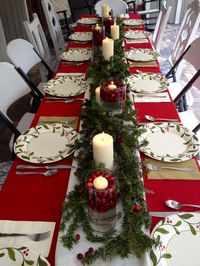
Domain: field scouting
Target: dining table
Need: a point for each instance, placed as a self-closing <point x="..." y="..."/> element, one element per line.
<point x="39" y="199"/>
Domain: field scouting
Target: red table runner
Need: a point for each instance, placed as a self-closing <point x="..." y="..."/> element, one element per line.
<point x="39" y="198"/>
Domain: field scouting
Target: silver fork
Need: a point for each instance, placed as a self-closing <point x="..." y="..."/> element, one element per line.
<point x="156" y="168"/>
<point x="33" y="237"/>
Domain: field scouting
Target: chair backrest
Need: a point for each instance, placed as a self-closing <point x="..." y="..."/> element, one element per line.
<point x="12" y="86"/>
<point x="21" y="54"/>
<point x="54" y="26"/>
<point x="118" y="6"/>
<point x="186" y="32"/>
<point x="37" y="37"/>
<point x="80" y="7"/>
<point x="161" y="26"/>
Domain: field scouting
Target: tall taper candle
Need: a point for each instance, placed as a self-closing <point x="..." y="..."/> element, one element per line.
<point x="103" y="149"/>
<point x="105" y="10"/>
<point x="114" y="30"/>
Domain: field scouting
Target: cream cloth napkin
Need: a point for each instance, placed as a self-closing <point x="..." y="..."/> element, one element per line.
<point x="146" y="98"/>
<point x="174" y="174"/>
<point x="137" y="41"/>
<point x="143" y="64"/>
<point x="26" y="227"/>
<point x="71" y="74"/>
<point x="71" y="120"/>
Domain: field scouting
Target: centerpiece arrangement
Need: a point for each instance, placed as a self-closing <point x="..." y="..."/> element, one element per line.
<point x="108" y="166"/>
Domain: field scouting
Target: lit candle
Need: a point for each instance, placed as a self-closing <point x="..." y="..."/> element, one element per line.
<point x="114" y="30"/>
<point x="105" y="10"/>
<point x="97" y="27"/>
<point x="112" y="86"/>
<point x="103" y="149"/>
<point x="100" y="182"/>
<point x="97" y="95"/>
<point x="107" y="48"/>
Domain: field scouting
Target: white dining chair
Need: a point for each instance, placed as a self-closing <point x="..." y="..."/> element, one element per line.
<point x="12" y="88"/>
<point x="191" y="56"/>
<point x="186" y="34"/>
<point x="160" y="26"/>
<point x="54" y="26"/>
<point x="117" y="6"/>
<point x="25" y="59"/>
<point x="38" y="39"/>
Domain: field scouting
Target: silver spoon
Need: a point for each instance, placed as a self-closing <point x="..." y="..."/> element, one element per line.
<point x="64" y="101"/>
<point x="152" y="119"/>
<point x="177" y="205"/>
<point x="47" y="173"/>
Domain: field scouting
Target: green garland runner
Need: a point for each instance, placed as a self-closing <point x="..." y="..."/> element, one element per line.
<point x="130" y="239"/>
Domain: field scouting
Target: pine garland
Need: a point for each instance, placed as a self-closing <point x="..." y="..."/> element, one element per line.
<point x="125" y="132"/>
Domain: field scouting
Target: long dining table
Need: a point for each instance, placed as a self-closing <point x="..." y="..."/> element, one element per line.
<point x="40" y="198"/>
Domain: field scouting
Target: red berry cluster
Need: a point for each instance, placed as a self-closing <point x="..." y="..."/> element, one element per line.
<point x="101" y="200"/>
<point x="80" y="256"/>
<point x="117" y="95"/>
<point x="26" y="251"/>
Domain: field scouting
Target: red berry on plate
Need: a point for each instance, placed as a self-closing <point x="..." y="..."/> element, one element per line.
<point x="90" y="249"/>
<point x="79" y="256"/>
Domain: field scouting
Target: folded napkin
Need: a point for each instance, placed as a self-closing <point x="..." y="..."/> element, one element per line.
<point x="174" y="174"/>
<point x="145" y="98"/>
<point x="143" y="64"/>
<point x="26" y="227"/>
<point x="71" y="120"/>
<point x="137" y="41"/>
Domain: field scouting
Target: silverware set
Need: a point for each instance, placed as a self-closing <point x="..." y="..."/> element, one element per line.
<point x="33" y="237"/>
<point x="157" y="168"/>
<point x="51" y="169"/>
<point x="63" y="100"/>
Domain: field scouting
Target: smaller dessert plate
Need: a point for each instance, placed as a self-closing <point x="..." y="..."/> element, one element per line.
<point x="136" y="34"/>
<point x="81" y="36"/>
<point x="77" y="55"/>
<point x="88" y="21"/>
<point x="133" y="22"/>
<point x="141" y="55"/>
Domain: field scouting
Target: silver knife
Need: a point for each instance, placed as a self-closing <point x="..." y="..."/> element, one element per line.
<point x="164" y="214"/>
<point x="61" y="166"/>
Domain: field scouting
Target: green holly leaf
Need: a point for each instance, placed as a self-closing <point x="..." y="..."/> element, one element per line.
<point x="11" y="254"/>
<point x="162" y="231"/>
<point x="29" y="262"/>
<point x="2" y="254"/>
<point x="192" y="229"/>
<point x="153" y="257"/>
<point x="186" y="216"/>
<point x="166" y="256"/>
<point x="178" y="223"/>
<point x="41" y="262"/>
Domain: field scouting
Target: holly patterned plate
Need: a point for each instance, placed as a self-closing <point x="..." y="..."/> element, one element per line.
<point x="81" y="36"/>
<point x="46" y="143"/>
<point x="169" y="142"/>
<point x="136" y="34"/>
<point x="87" y="21"/>
<point x="133" y="22"/>
<point x="77" y="55"/>
<point x="143" y="55"/>
<point x="147" y="82"/>
<point x="178" y="236"/>
<point x="12" y="256"/>
<point x="66" y="86"/>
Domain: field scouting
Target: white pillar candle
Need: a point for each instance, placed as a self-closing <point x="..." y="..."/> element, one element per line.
<point x="114" y="30"/>
<point x="107" y="48"/>
<point x="100" y="182"/>
<point x="105" y="10"/>
<point x="97" y="95"/>
<point x="112" y="86"/>
<point x="103" y="149"/>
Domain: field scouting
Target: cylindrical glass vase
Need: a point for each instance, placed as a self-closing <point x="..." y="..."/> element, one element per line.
<point x="113" y="94"/>
<point x="101" y="201"/>
<point x="98" y="33"/>
<point x="107" y="22"/>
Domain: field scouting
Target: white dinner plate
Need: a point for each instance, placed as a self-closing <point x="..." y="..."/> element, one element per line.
<point x="144" y="55"/>
<point x="133" y="22"/>
<point x="179" y="241"/>
<point x="147" y="82"/>
<point x="87" y="21"/>
<point x="81" y="36"/>
<point x="66" y="86"/>
<point x="169" y="142"/>
<point x="12" y="256"/>
<point x="136" y="34"/>
<point x="77" y="54"/>
<point x="46" y="143"/>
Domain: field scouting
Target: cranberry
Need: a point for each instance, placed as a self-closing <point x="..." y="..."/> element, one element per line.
<point x="90" y="250"/>
<point x="79" y="256"/>
<point x="78" y="236"/>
